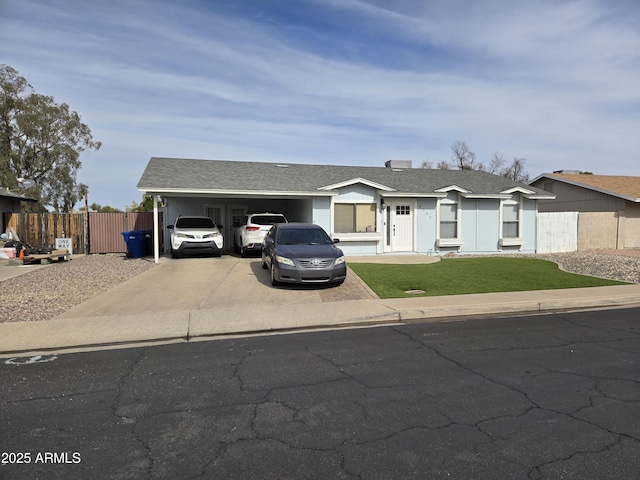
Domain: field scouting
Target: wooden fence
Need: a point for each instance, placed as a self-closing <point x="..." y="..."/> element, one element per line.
<point x="41" y="230"/>
<point x="95" y="233"/>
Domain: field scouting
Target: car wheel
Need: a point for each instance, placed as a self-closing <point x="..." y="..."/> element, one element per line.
<point x="174" y="254"/>
<point x="272" y="272"/>
<point x="264" y="262"/>
<point x="243" y="252"/>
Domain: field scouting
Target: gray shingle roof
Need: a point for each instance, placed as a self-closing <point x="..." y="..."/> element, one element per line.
<point x="7" y="194"/>
<point x="181" y="174"/>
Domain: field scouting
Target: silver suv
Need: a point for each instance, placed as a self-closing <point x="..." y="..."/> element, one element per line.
<point x="194" y="234"/>
<point x="252" y="229"/>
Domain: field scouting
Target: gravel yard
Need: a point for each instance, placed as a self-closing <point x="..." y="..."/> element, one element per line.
<point x="47" y="292"/>
<point x="623" y="267"/>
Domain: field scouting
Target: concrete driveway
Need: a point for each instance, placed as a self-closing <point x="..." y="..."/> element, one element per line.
<point x="209" y="283"/>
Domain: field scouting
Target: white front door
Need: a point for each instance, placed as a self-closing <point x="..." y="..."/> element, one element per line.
<point x="400" y="229"/>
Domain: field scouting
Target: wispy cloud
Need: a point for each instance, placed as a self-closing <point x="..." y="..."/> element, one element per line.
<point x="336" y="81"/>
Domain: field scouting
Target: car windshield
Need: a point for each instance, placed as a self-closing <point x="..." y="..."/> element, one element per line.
<point x="194" y="223"/>
<point x="267" y="219"/>
<point x="303" y="236"/>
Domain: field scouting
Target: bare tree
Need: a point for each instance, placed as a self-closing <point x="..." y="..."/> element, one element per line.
<point x="427" y="164"/>
<point x="464" y="158"/>
<point x="442" y="165"/>
<point x="496" y="166"/>
<point x="516" y="171"/>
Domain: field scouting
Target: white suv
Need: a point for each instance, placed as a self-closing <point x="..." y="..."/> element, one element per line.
<point x="193" y="234"/>
<point x="252" y="229"/>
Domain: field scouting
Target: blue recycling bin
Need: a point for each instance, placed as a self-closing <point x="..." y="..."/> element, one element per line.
<point x="135" y="241"/>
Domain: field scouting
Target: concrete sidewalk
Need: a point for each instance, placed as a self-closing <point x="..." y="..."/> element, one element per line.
<point x="195" y="299"/>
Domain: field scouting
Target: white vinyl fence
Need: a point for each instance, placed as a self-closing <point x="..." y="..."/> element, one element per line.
<point x="557" y="232"/>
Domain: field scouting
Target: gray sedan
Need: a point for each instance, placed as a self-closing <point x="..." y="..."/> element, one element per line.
<point x="302" y="253"/>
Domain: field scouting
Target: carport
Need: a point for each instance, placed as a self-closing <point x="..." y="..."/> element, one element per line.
<point x="228" y="210"/>
<point x="190" y="187"/>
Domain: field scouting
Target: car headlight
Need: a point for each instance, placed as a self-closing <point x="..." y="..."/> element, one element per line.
<point x="216" y="234"/>
<point x="340" y="260"/>
<point x="284" y="260"/>
<point x="180" y="235"/>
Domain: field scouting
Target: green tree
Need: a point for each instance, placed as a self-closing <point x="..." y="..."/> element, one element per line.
<point x="96" y="207"/>
<point x="146" y="205"/>
<point x="40" y="140"/>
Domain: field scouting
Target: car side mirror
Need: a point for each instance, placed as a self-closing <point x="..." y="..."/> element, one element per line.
<point x="336" y="240"/>
<point x="170" y="227"/>
<point x="268" y="240"/>
<point x="220" y="227"/>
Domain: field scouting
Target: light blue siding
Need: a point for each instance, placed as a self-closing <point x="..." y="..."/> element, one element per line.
<point x="357" y="248"/>
<point x="322" y="212"/>
<point x="356" y="193"/>
<point x="480" y="225"/>
<point x="426" y="225"/>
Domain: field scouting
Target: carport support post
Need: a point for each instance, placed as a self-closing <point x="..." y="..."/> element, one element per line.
<point x="156" y="247"/>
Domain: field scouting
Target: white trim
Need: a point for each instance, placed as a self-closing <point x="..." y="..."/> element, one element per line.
<point x="497" y="196"/>
<point x="413" y="204"/>
<point x="450" y="242"/>
<point x="335" y="201"/>
<point x="156" y="227"/>
<point x="354" y="181"/>
<point x="396" y="194"/>
<point x="453" y="187"/>
<point x="518" y="190"/>
<point x="358" y="237"/>
<point x="540" y="197"/>
<point x="511" y="241"/>
<point x="235" y="193"/>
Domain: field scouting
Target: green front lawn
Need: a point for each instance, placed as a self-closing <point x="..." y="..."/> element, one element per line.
<point x="457" y="276"/>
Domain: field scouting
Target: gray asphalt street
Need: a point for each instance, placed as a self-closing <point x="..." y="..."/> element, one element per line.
<point x="538" y="397"/>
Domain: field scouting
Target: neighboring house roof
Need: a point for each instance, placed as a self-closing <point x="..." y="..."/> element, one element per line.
<point x="180" y="175"/>
<point x="7" y="194"/>
<point x="624" y="187"/>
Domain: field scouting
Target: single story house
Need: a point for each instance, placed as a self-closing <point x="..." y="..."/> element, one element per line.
<point x="372" y="210"/>
<point x="608" y="206"/>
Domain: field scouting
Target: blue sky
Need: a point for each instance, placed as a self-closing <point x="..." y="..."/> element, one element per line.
<point x="345" y="82"/>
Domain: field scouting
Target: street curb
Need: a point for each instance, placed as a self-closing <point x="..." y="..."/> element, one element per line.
<point x="89" y="333"/>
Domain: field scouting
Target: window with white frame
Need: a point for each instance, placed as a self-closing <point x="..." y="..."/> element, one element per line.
<point x="449" y="216"/>
<point x="354" y="217"/>
<point x="511" y="219"/>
